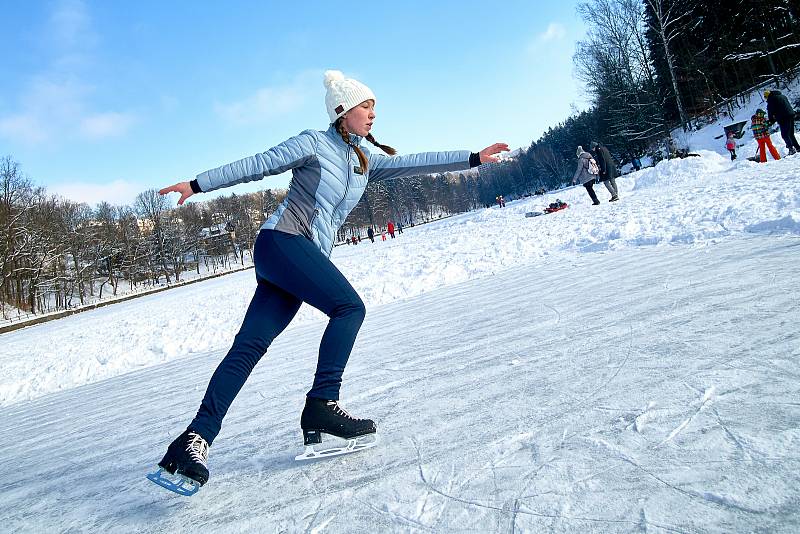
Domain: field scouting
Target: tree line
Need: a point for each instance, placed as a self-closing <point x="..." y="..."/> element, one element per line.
<point x="649" y="66"/>
<point x="56" y="254"/>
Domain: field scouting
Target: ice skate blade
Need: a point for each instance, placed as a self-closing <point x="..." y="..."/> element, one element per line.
<point x="180" y="484"/>
<point x="359" y="443"/>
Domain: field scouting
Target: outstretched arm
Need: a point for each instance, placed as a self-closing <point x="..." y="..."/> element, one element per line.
<point x="386" y="168"/>
<point x="292" y="153"/>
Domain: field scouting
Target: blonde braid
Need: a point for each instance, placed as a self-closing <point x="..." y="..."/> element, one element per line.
<point x="362" y="159"/>
<point x="386" y="148"/>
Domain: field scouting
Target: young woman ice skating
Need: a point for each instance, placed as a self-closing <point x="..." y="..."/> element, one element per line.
<point x="330" y="171"/>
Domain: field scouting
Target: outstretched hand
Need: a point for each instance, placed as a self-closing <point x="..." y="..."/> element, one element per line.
<point x="487" y="155"/>
<point x="184" y="188"/>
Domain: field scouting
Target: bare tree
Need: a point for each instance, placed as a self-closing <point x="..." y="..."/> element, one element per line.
<point x="153" y="207"/>
<point x="667" y="22"/>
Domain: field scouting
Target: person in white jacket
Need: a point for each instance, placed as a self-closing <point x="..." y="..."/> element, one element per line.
<point x="586" y="173"/>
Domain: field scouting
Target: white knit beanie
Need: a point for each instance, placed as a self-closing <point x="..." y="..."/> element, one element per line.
<point x="579" y="151"/>
<point x="343" y="93"/>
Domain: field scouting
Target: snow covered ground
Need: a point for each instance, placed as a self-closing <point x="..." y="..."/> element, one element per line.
<point x="688" y="201"/>
<point x="651" y="389"/>
<point x="628" y="367"/>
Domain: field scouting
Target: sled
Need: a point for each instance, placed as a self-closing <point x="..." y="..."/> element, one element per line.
<point x="550" y="209"/>
<point x="737" y="128"/>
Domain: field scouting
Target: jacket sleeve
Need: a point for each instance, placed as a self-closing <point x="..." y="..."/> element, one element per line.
<point x="294" y="152"/>
<point x="579" y="169"/>
<point x="389" y="167"/>
<point x="602" y="161"/>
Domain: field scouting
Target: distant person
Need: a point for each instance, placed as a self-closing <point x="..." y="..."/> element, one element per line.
<point x="399" y="227"/>
<point x="383" y="235"/>
<point x="637" y="163"/>
<point x="672" y="148"/>
<point x="502" y="202"/>
<point x="390" y="228"/>
<point x="586" y="173"/>
<point x="330" y="171"/>
<point x="608" y="169"/>
<point x="371" y="234"/>
<point x="758" y="123"/>
<point x="780" y="110"/>
<point x="730" y="144"/>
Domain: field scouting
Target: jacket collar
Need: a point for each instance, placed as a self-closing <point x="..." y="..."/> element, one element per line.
<point x="356" y="139"/>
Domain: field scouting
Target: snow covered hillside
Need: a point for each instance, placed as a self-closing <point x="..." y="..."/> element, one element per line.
<point x="708" y="138"/>
<point x="689" y="201"/>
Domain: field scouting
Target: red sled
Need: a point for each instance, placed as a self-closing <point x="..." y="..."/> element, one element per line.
<point x="553" y="209"/>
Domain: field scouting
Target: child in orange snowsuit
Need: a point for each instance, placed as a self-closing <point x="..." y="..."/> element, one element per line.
<point x="761" y="133"/>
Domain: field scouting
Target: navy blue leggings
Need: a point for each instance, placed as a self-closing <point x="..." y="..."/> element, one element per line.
<point x="290" y="270"/>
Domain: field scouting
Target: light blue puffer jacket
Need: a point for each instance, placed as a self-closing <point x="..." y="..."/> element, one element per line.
<point x="327" y="182"/>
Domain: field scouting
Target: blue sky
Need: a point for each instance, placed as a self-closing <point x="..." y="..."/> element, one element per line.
<point x="106" y="99"/>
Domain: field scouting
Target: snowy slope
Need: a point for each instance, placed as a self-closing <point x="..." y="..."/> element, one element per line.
<point x="694" y="200"/>
<point x="705" y="139"/>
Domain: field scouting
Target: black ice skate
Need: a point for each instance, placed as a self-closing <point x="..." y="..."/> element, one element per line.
<point x="325" y="417"/>
<point x="183" y="469"/>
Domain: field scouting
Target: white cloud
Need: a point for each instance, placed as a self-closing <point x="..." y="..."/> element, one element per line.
<point x="118" y="192"/>
<point x="56" y="103"/>
<point x="70" y="24"/>
<point x="103" y="125"/>
<point x="270" y="102"/>
<point x="56" y="109"/>
<point x="24" y="128"/>
<point x="554" y="32"/>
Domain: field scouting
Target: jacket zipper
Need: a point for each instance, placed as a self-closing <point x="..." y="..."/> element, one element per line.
<point x="311" y="224"/>
<point x="346" y="188"/>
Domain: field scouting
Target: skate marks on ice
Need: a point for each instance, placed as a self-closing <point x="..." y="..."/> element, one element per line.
<point x="707" y="397"/>
<point x="445" y="494"/>
<point x="662" y="402"/>
<point x="691" y="459"/>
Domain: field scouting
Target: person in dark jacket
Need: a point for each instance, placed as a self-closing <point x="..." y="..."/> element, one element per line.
<point x="780" y="110"/>
<point x="608" y="169"/>
<point x="371" y="234"/>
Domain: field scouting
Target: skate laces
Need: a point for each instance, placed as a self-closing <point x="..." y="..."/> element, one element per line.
<point x="197" y="448"/>
<point x="338" y="410"/>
